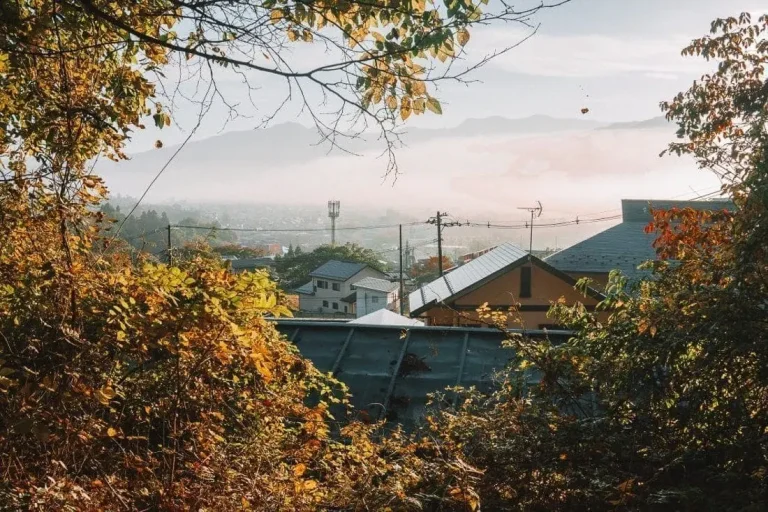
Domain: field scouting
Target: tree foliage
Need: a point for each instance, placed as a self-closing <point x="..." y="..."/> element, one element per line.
<point x="293" y="270"/>
<point x="661" y="406"/>
<point x="428" y="270"/>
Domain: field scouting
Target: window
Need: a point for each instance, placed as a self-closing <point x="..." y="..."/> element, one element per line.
<point x="525" y="282"/>
<point x="345" y="309"/>
<point x="375" y="299"/>
<point x="335" y="305"/>
<point x="322" y="284"/>
<point x="336" y="287"/>
<point x="325" y="303"/>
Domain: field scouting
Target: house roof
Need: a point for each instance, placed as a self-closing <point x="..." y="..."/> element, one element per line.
<point x="335" y="269"/>
<point x="376" y="284"/>
<point x="626" y="245"/>
<point x="351" y="298"/>
<point x="479" y="272"/>
<point x="386" y="317"/>
<point x="306" y="289"/>
<point x="463" y="277"/>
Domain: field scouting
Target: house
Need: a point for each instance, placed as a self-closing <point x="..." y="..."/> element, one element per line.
<point x="372" y="294"/>
<point x="331" y="283"/>
<point x="501" y="278"/>
<point x="624" y="246"/>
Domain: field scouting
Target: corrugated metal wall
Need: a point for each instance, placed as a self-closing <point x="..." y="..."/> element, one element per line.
<point x="391" y="370"/>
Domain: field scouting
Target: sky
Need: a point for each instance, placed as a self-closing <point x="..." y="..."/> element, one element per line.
<point x="618" y="58"/>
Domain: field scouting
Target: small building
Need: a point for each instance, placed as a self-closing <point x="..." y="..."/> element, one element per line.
<point x="624" y="246"/>
<point x="372" y="294"/>
<point x="504" y="277"/>
<point x="331" y="283"/>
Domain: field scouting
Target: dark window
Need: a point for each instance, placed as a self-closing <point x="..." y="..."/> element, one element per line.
<point x="325" y="303"/>
<point x="336" y="286"/>
<point x="345" y="309"/>
<point x="525" y="282"/>
<point x="322" y="284"/>
<point x="335" y="305"/>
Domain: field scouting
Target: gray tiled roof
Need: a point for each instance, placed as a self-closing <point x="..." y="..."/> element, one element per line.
<point x="335" y="269"/>
<point x="622" y="247"/>
<point x="379" y="285"/>
<point x="626" y="245"/>
<point x="305" y="289"/>
<point x="465" y="276"/>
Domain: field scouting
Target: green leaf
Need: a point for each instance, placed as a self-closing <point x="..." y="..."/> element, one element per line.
<point x="434" y="106"/>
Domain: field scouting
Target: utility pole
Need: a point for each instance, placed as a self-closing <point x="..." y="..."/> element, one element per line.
<point x="402" y="286"/>
<point x="537" y="212"/>
<point x="170" y="258"/>
<point x="438" y="220"/>
<point x="333" y="213"/>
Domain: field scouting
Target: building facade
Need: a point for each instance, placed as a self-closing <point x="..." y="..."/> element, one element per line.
<point x="504" y="278"/>
<point x="373" y="294"/>
<point x="331" y="283"/>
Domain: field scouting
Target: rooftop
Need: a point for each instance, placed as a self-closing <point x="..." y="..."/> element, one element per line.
<point x="465" y="276"/>
<point x="379" y="285"/>
<point x="626" y="245"/>
<point x="386" y="317"/>
<point x="341" y="270"/>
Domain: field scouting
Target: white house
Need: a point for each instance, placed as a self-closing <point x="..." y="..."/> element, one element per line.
<point x="331" y="287"/>
<point x="373" y="294"/>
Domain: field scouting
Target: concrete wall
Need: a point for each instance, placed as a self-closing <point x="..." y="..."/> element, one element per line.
<point x="503" y="292"/>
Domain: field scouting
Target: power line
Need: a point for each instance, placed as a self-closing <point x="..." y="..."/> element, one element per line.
<point x="296" y="230"/>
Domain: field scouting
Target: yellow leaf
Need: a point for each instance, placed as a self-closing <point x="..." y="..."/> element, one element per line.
<point x="111" y="432"/>
<point x="391" y="102"/>
<point x="309" y="485"/>
<point x="419" y="105"/>
<point x="463" y="37"/>
<point x="276" y="15"/>
<point x="299" y="469"/>
<point x="405" y="107"/>
<point x="292" y="35"/>
<point x="308" y="37"/>
<point x="419" y="88"/>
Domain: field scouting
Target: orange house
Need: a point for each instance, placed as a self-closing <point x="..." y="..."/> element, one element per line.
<point x="501" y="278"/>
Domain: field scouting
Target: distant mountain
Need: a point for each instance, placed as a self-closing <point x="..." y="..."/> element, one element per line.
<point x="648" y="124"/>
<point x="289" y="143"/>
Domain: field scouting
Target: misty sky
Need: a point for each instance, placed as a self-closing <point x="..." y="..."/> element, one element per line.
<point x="619" y="58"/>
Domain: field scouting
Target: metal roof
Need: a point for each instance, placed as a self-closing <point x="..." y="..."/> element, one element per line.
<point x="334" y="269"/>
<point x="379" y="285"/>
<point x="465" y="276"/>
<point x="306" y="289"/>
<point x="624" y="246"/>
<point x="391" y="370"/>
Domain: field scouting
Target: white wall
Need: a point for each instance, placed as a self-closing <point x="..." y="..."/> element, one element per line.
<point x="315" y="303"/>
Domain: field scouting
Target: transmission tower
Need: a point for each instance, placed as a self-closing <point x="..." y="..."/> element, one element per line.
<point x="333" y="214"/>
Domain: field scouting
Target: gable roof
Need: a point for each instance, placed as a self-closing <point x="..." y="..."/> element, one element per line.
<point x="386" y="317"/>
<point x="478" y="272"/>
<point x="335" y="269"/>
<point x="626" y="245"/>
<point x="376" y="284"/>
